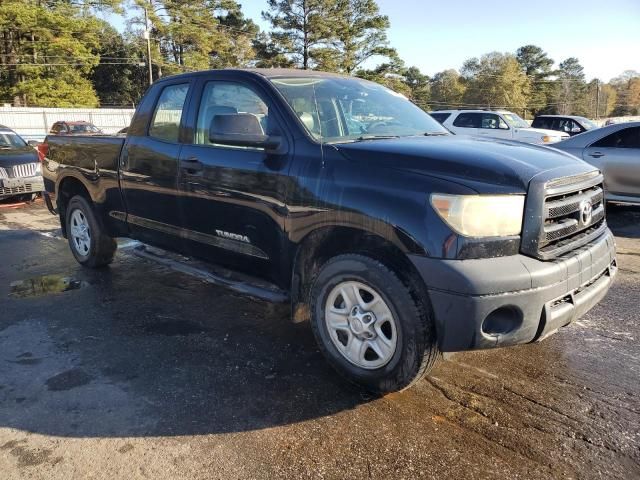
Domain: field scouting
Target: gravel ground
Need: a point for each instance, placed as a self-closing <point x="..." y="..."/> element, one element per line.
<point x="140" y="372"/>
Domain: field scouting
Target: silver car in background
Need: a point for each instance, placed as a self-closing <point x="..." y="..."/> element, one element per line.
<point x="615" y="150"/>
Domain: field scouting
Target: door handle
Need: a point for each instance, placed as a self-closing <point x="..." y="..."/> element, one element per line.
<point x="191" y="165"/>
<point x="596" y="154"/>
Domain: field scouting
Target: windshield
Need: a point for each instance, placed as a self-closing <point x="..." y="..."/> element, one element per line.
<point x="515" y="121"/>
<point x="587" y="124"/>
<point x="349" y="109"/>
<point x="83" y="128"/>
<point x="10" y="139"/>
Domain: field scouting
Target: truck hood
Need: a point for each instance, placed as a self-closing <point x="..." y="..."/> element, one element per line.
<point x="487" y="166"/>
<point x="17" y="156"/>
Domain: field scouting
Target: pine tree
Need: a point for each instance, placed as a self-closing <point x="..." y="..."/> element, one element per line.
<point x="301" y="28"/>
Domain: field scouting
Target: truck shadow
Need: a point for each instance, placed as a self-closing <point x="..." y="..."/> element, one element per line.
<point x="624" y="220"/>
<point x="139" y="350"/>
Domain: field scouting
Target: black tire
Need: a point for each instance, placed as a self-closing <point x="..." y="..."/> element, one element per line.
<point x="416" y="351"/>
<point x="102" y="247"/>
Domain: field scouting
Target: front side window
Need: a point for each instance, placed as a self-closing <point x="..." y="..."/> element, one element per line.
<point x="493" y="121"/>
<point x="250" y="113"/>
<point x="165" y="124"/>
<point x="468" y="120"/>
<point x="349" y="109"/>
<point x="625" y="138"/>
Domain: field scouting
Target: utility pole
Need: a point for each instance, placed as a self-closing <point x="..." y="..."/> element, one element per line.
<point x="147" y="36"/>
<point x="597" y="99"/>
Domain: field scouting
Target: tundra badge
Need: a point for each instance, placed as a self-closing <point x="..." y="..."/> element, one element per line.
<point x="233" y="236"/>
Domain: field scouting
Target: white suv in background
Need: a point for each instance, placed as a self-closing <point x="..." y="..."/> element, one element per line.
<point x="495" y="124"/>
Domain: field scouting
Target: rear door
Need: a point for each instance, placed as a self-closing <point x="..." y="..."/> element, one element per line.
<point x="149" y="169"/>
<point x="618" y="156"/>
<point x="233" y="198"/>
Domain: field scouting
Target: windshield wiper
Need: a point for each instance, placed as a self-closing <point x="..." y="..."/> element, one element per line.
<point x="376" y="137"/>
<point x="435" y="134"/>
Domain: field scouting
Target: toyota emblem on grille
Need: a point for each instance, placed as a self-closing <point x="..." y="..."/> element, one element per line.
<point x="586" y="212"/>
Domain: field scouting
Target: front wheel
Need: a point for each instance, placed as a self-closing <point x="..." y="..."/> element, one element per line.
<point x="369" y="327"/>
<point x="89" y="243"/>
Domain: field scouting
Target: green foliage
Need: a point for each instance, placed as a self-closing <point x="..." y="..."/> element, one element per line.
<point x="447" y="89"/>
<point x="538" y="67"/>
<point x="301" y="28"/>
<point x="51" y="43"/>
<point x="571" y="88"/>
<point x="121" y="76"/>
<point x="360" y="33"/>
<point x="495" y="80"/>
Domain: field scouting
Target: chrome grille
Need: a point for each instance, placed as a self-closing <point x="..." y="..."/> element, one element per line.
<point x="25" y="170"/>
<point x="26" y="188"/>
<point x="564" y="222"/>
<point x="3" y="173"/>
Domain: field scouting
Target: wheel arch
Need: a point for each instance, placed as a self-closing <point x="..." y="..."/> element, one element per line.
<point x="69" y="187"/>
<point x="324" y="243"/>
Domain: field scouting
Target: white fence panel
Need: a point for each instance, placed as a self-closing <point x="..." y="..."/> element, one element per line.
<point x="34" y="123"/>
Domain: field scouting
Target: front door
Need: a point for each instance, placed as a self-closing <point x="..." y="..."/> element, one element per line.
<point x="149" y="171"/>
<point x="618" y="157"/>
<point x="233" y="198"/>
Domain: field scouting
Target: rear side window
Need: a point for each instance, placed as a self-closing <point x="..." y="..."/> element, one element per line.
<point x="440" y="117"/>
<point x="165" y="124"/>
<point x="542" y="122"/>
<point x="626" y="138"/>
<point x="468" y="120"/>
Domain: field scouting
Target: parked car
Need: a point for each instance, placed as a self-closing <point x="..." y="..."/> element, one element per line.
<point x="495" y="124"/>
<point x="74" y="128"/>
<point x="396" y="239"/>
<point x="20" y="168"/>
<point x="573" y="125"/>
<point x="615" y="150"/>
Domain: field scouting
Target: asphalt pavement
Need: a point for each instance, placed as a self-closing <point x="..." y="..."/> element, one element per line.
<point x="136" y="371"/>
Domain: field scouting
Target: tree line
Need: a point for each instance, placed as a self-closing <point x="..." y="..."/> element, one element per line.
<point x="61" y="53"/>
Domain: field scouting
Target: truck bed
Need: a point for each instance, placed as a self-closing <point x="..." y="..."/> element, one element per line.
<point x="86" y="152"/>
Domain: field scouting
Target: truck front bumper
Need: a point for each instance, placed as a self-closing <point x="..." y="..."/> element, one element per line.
<point x="505" y="301"/>
<point x="20" y="186"/>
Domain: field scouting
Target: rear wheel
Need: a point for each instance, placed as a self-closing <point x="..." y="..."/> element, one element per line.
<point x="89" y="244"/>
<point x="369" y="327"/>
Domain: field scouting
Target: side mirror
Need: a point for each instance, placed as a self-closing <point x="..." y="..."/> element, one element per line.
<point x="242" y="130"/>
<point x="33" y="143"/>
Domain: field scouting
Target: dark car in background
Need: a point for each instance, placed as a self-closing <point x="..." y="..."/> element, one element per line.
<point x="74" y="128"/>
<point x="571" y="124"/>
<point x="20" y="168"/>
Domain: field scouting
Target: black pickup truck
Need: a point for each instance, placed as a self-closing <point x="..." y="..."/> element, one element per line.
<point x="396" y="239"/>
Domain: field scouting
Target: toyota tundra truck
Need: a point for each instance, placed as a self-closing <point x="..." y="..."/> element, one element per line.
<point x="395" y="239"/>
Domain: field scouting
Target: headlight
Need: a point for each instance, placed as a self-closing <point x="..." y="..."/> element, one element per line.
<point x="481" y="215"/>
<point x="38" y="168"/>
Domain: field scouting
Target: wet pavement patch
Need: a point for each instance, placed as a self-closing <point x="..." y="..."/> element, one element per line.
<point x="175" y="327"/>
<point x="45" y="285"/>
<point x="76" y="377"/>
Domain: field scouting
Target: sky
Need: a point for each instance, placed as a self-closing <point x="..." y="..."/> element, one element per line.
<point x="436" y="35"/>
